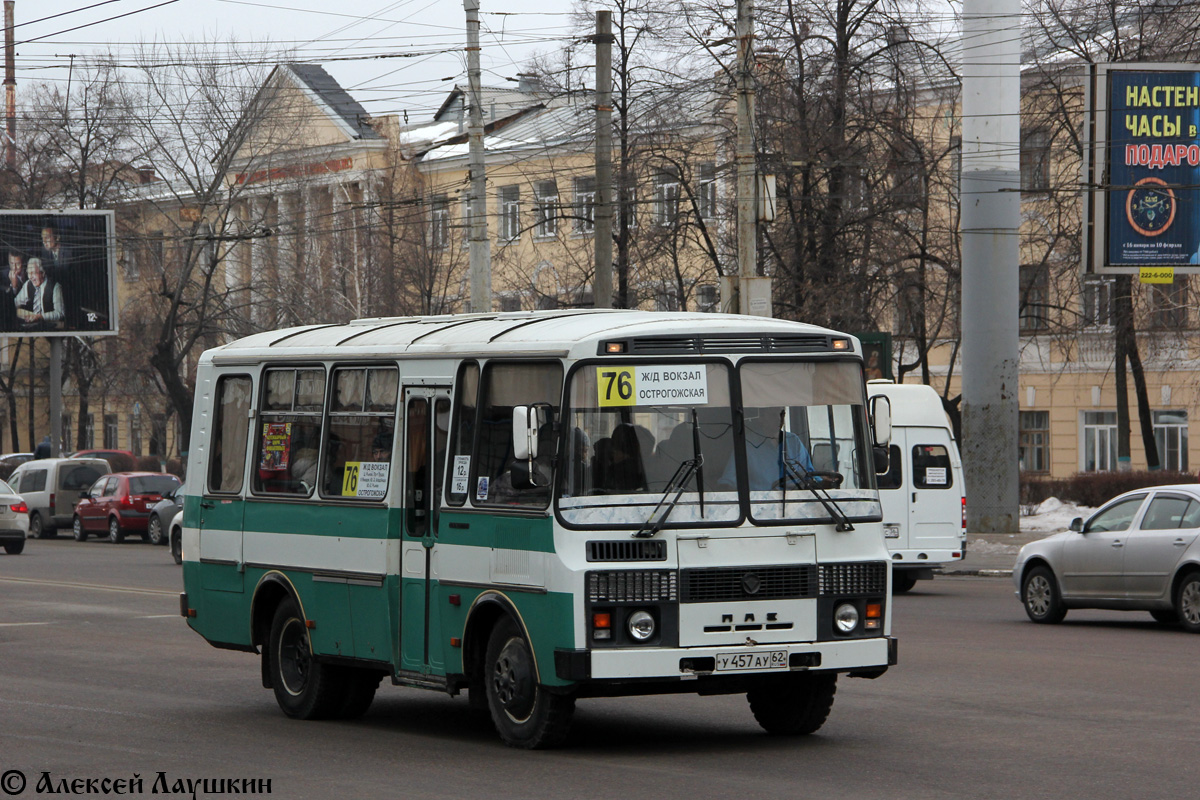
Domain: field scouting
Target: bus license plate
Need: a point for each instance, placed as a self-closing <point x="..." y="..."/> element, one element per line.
<point x="734" y="662"/>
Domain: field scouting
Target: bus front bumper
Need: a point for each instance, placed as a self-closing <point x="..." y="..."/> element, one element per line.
<point x="870" y="657"/>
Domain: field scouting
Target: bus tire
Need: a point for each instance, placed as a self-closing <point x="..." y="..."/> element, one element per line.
<point x="525" y="714"/>
<point x="903" y="581"/>
<point x="795" y="704"/>
<point x="358" y="691"/>
<point x="304" y="687"/>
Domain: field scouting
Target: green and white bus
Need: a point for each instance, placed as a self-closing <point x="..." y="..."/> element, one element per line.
<point x="540" y="507"/>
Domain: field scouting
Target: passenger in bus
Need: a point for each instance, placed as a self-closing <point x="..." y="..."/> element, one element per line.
<point x="305" y="450"/>
<point x="381" y="445"/>
<point x="620" y="468"/>
<point x="672" y="451"/>
<point x="763" y="463"/>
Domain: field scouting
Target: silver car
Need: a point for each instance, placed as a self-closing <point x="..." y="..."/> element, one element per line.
<point x="1141" y="551"/>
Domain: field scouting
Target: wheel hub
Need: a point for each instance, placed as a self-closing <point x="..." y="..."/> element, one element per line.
<point x="513" y="682"/>
<point x="1189" y="603"/>
<point x="1037" y="595"/>
<point x="295" y="660"/>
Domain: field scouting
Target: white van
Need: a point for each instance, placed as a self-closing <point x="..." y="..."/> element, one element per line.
<point x="923" y="492"/>
<point x="52" y="486"/>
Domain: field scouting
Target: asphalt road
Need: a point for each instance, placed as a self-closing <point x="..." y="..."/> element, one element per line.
<point x="100" y="678"/>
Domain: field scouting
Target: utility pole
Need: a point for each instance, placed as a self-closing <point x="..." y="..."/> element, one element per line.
<point x="480" y="249"/>
<point x="747" y="206"/>
<point x="991" y="219"/>
<point x="10" y="86"/>
<point x="602" y="288"/>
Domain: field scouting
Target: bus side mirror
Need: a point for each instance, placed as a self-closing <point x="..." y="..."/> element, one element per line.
<point x="526" y="421"/>
<point x="881" y="421"/>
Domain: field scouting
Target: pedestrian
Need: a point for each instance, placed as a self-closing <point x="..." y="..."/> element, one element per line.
<point x="43" y="448"/>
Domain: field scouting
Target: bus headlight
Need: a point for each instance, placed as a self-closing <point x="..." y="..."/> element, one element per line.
<point x="641" y="625"/>
<point x="845" y="617"/>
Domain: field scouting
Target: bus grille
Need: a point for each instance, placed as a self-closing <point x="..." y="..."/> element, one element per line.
<point x="629" y="550"/>
<point x="868" y="577"/>
<point x="633" y="586"/>
<point x="791" y="582"/>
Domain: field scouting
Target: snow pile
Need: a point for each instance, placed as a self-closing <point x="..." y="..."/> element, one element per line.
<point x="1052" y="516"/>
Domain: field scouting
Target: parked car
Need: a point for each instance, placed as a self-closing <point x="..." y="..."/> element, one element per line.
<point x="120" y="503"/>
<point x="1140" y="551"/>
<point x="158" y="528"/>
<point x="52" y="486"/>
<point x="14" y="520"/>
<point x="177" y="537"/>
<point x="10" y="462"/>
<point x="118" y="460"/>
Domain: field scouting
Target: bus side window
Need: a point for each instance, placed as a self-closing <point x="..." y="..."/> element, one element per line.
<point x="499" y="479"/>
<point x="462" y="438"/>
<point x="230" y="434"/>
<point x="361" y="432"/>
<point x="289" y="431"/>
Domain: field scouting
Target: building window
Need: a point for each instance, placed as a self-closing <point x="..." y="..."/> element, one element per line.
<point x="666" y="199"/>
<point x="510" y="301"/>
<point x="1035" y="161"/>
<point x="707" y="296"/>
<point x="666" y="297"/>
<point x="66" y="444"/>
<point x="956" y="159"/>
<point x="1097" y="302"/>
<point x="89" y="433"/>
<point x="585" y="205"/>
<point x="1099" y="441"/>
<point x="466" y="221"/>
<point x="510" y="213"/>
<point x="1168" y="304"/>
<point x="1033" y="447"/>
<point x="1171" y="436"/>
<point x="908" y="176"/>
<point x="706" y="191"/>
<point x="439" y="222"/>
<point x="545" y="209"/>
<point x="110" y="431"/>
<point x="158" y="435"/>
<point x="156" y="251"/>
<point x="909" y="312"/>
<point x="135" y="431"/>
<point x="1034" y="296"/>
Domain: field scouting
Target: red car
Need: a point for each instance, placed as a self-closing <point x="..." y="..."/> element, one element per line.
<point x="121" y="504"/>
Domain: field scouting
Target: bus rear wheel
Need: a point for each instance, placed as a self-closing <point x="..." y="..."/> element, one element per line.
<point x="795" y="704"/>
<point x="525" y="714"/>
<point x="304" y="687"/>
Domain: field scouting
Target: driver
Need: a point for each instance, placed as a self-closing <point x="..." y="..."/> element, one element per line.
<point x="762" y="452"/>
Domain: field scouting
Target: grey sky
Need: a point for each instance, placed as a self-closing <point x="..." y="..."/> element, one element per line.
<point x="431" y="32"/>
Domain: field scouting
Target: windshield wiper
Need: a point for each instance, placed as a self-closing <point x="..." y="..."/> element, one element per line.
<point x="806" y="480"/>
<point x="699" y="460"/>
<point x="658" y="517"/>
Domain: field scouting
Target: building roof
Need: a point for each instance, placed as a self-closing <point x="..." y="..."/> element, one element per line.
<point x="338" y="100"/>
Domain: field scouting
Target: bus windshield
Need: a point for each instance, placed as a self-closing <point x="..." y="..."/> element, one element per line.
<point x="631" y="429"/>
<point x="804" y="435"/>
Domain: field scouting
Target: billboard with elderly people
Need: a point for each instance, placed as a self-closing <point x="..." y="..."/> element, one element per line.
<point x="56" y="274"/>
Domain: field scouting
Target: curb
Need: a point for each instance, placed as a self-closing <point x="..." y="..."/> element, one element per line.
<point x="979" y="573"/>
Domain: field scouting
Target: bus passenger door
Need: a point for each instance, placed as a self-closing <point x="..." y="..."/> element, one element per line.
<point x="424" y="466"/>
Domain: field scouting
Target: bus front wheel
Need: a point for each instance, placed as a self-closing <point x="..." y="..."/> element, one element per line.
<point x="794" y="704"/>
<point x="525" y="714"/>
<point x="304" y="687"/>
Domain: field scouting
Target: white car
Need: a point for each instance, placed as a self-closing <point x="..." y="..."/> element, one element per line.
<point x="14" y="520"/>
<point x="1139" y="552"/>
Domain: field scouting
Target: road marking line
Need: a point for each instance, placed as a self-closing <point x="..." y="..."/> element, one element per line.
<point x="159" y="616"/>
<point x="68" y="585"/>
<point x="20" y="624"/>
